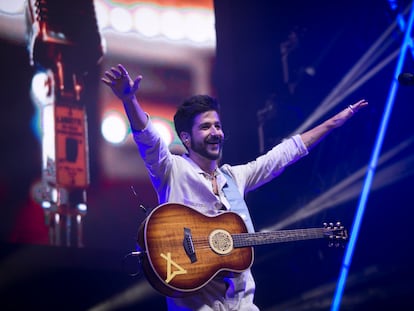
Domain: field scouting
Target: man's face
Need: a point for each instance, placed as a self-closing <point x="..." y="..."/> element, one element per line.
<point x="207" y="135"/>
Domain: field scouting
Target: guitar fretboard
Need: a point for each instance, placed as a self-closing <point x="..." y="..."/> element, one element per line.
<point x="262" y="238"/>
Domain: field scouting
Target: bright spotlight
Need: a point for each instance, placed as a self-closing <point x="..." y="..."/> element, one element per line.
<point x="172" y="24"/>
<point x="147" y="21"/>
<point x="12" y="7"/>
<point x="114" y="129"/>
<point x="82" y="207"/>
<point x="40" y="87"/>
<point x="121" y="19"/>
<point x="102" y="15"/>
<point x="165" y="130"/>
<point x="197" y="26"/>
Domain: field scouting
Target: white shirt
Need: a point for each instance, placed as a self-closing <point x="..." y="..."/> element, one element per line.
<point x="178" y="179"/>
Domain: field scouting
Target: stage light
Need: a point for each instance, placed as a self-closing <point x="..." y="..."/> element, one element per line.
<point x="82" y="207"/>
<point x="12" y="7"/>
<point x="372" y="168"/>
<point x="43" y="121"/>
<point x="57" y="218"/>
<point x="141" y="19"/>
<point x="102" y="15"/>
<point x="121" y="19"/>
<point x="393" y="4"/>
<point x="40" y="87"/>
<point x="46" y="205"/>
<point x="198" y="26"/>
<point x="147" y="21"/>
<point x="172" y="24"/>
<point x="114" y="128"/>
<point x="165" y="129"/>
<point x="357" y="76"/>
<point x="40" y="94"/>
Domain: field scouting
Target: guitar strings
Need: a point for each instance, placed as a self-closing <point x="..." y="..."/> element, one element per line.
<point x="257" y="238"/>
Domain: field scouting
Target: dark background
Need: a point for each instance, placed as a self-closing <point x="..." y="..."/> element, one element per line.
<point x="246" y="73"/>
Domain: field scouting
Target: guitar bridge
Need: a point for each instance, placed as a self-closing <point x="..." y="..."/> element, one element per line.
<point x="189" y="245"/>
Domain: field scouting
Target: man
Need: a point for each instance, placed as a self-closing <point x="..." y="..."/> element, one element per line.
<point x="196" y="180"/>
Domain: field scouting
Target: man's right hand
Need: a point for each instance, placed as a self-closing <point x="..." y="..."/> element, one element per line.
<point x="121" y="83"/>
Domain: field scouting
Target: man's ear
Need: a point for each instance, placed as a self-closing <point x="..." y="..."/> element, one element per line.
<point x="185" y="137"/>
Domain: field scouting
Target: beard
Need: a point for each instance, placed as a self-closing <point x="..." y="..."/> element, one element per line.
<point x="211" y="150"/>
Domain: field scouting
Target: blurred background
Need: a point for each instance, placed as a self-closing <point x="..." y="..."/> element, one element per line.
<point x="277" y="68"/>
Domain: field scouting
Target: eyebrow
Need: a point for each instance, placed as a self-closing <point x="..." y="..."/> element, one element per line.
<point x="209" y="123"/>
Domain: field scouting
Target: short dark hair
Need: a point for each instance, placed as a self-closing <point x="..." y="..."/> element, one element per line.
<point x="190" y="108"/>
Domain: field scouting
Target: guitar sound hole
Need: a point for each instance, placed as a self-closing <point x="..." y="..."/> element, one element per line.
<point x="221" y="242"/>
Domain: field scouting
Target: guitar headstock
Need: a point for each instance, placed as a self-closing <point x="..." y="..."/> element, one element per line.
<point x="335" y="233"/>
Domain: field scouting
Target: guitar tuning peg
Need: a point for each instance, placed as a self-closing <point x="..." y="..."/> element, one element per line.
<point x="325" y="225"/>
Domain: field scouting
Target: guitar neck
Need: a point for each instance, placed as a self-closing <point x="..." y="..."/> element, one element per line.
<point x="262" y="238"/>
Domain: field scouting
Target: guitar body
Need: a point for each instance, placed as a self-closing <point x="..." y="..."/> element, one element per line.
<point x="185" y="249"/>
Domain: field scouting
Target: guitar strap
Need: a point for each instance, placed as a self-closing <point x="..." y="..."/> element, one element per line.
<point x="237" y="202"/>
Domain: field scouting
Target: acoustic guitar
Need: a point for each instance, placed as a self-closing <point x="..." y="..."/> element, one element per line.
<point x="184" y="249"/>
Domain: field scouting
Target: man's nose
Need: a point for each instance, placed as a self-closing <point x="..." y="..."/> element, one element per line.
<point x="215" y="131"/>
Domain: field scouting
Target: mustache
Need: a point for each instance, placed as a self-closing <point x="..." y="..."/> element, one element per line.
<point x="215" y="140"/>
